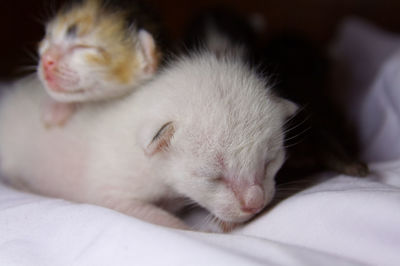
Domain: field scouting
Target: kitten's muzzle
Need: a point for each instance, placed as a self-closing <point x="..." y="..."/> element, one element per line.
<point x="253" y="199"/>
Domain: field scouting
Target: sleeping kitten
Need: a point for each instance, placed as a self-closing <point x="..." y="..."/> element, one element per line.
<point x="207" y="128"/>
<point x="93" y="51"/>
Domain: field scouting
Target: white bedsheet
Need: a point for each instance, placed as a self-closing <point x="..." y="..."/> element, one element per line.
<point x="341" y="221"/>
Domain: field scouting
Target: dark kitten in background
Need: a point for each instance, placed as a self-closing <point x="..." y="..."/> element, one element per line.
<point x="317" y="137"/>
<point x="223" y="30"/>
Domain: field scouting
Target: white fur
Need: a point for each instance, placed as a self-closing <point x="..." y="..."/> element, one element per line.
<point x="219" y="109"/>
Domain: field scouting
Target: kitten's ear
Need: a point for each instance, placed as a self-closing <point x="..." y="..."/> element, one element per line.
<point x="289" y="108"/>
<point x="150" y="52"/>
<point x="161" y="140"/>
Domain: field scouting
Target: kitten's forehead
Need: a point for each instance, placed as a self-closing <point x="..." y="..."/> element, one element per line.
<point x="229" y="106"/>
<point x="90" y="17"/>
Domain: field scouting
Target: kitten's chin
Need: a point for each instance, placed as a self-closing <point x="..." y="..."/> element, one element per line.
<point x="52" y="85"/>
<point x="65" y="95"/>
<point x="55" y="88"/>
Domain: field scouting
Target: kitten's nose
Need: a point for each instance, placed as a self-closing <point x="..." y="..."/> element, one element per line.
<point x="49" y="60"/>
<point x="253" y="199"/>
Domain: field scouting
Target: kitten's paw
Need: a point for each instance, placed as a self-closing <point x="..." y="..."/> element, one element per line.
<point x="57" y="114"/>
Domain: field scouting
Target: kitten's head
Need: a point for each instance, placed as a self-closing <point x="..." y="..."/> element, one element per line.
<point x="217" y="135"/>
<point x="90" y="52"/>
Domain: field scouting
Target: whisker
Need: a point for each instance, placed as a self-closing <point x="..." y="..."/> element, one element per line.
<point x="190" y="206"/>
<point x="25" y="69"/>
<point x="297" y="125"/>
<point x="297" y="135"/>
<point x="188" y="201"/>
<point x="216" y="221"/>
<point x="293" y="144"/>
<point x="203" y="223"/>
<point x="33" y="56"/>
<point x="285" y="132"/>
<point x="30" y="68"/>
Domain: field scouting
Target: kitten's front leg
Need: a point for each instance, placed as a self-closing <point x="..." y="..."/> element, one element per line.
<point x="56" y="113"/>
<point x="150" y="213"/>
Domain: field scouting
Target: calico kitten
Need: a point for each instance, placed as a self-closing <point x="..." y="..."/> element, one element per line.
<point x="94" y="51"/>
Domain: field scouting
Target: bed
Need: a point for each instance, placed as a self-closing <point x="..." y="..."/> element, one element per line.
<point x="340" y="221"/>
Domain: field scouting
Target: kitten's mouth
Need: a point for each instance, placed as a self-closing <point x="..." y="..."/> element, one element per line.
<point x="56" y="85"/>
<point x="59" y="82"/>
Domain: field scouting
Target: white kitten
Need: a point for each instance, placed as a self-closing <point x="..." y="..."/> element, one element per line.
<point x="206" y="128"/>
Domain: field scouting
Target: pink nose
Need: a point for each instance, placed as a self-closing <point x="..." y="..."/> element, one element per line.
<point x="253" y="199"/>
<point x="49" y="61"/>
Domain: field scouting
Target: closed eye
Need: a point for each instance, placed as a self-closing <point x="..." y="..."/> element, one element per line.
<point x="221" y="180"/>
<point x="218" y="179"/>
<point x="96" y="49"/>
<point x="84" y="46"/>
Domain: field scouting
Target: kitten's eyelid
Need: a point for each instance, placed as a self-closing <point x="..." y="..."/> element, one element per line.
<point x="89" y="47"/>
<point x="99" y="51"/>
<point x="219" y="178"/>
<point x="83" y="46"/>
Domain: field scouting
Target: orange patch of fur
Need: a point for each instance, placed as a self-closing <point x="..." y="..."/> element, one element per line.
<point x="122" y="71"/>
<point x="119" y="50"/>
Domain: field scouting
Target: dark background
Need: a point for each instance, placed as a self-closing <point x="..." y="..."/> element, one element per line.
<point x="21" y="28"/>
